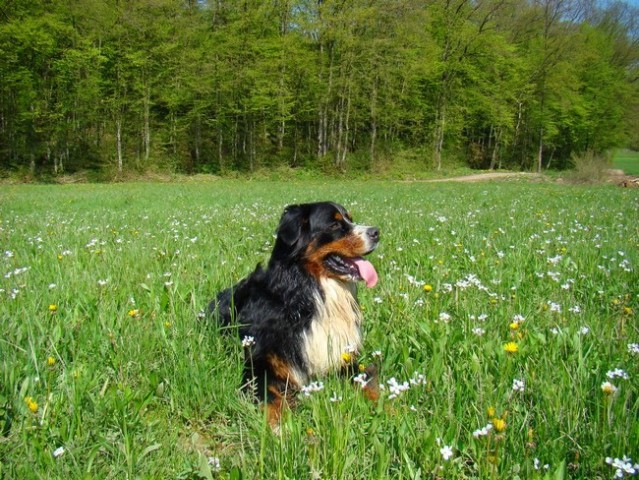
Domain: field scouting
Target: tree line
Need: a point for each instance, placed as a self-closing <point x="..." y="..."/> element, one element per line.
<point x="218" y="86"/>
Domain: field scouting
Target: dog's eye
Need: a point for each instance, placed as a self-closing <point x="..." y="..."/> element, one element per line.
<point x="336" y="226"/>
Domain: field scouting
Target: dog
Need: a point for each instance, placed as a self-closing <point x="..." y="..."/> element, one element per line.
<point x="299" y="317"/>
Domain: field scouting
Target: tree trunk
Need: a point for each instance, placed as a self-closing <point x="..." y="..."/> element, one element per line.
<point x="198" y="139"/>
<point x="295" y="135"/>
<point x="346" y="124"/>
<point x="55" y="159"/>
<point x="373" y="121"/>
<point x="541" y="150"/>
<point x="340" y="129"/>
<point x="439" y="137"/>
<point x="282" y="126"/>
<point x="493" y="157"/>
<point x="147" y="127"/>
<point x="220" y="156"/>
<point x="323" y="110"/>
<point x="118" y="136"/>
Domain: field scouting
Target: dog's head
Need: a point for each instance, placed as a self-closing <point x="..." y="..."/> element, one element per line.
<point x="323" y="237"/>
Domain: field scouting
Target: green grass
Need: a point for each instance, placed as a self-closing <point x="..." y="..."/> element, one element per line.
<point x="132" y="384"/>
<point x="626" y="160"/>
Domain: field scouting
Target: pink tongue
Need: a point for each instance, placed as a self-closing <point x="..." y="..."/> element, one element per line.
<point x="366" y="271"/>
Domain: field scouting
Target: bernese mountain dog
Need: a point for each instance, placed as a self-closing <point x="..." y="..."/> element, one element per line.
<point x="299" y="316"/>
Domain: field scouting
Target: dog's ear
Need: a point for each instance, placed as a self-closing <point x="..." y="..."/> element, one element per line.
<point x="291" y="223"/>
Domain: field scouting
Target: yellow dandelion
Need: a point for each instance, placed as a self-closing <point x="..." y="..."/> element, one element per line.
<point x="362" y="368"/>
<point x="490" y="411"/>
<point x="60" y="257"/>
<point x="167" y="324"/>
<point x="51" y="361"/>
<point x="511" y="347"/>
<point x="346" y="357"/>
<point x="499" y="424"/>
<point x="627" y="310"/>
<point x="310" y="432"/>
<point x="53" y="308"/>
<point x="134" y="313"/>
<point x="428" y="288"/>
<point x="31" y="404"/>
<point x="514" y="325"/>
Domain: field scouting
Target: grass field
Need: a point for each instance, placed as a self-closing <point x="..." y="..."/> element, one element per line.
<point x="505" y="319"/>
<point x="626" y="160"/>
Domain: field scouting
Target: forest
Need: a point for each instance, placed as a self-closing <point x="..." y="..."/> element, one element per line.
<point x="223" y="86"/>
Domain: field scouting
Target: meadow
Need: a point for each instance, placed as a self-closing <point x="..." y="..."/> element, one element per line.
<point x="626" y="160"/>
<point x="504" y="326"/>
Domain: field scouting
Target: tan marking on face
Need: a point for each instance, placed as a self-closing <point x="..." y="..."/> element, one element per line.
<point x="349" y="246"/>
<point x="338" y="216"/>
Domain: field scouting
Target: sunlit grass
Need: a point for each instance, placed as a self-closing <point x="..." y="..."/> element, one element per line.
<point x="502" y="311"/>
<point x="626" y="160"/>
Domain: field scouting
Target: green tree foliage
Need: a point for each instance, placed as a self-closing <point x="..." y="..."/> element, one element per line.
<point x="218" y="86"/>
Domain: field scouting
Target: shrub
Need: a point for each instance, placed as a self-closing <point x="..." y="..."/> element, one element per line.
<point x="588" y="167"/>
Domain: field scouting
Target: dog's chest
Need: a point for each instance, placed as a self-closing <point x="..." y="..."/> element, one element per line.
<point x="335" y="329"/>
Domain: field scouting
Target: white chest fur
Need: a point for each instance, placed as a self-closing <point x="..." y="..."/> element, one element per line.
<point x="334" y="329"/>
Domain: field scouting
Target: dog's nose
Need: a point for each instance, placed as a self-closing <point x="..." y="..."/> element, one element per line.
<point x="373" y="234"/>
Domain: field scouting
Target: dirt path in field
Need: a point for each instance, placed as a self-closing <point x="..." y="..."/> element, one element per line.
<point x="480" y="177"/>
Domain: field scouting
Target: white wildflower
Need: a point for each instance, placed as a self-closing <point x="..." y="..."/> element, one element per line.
<point x="537" y="464"/>
<point x="214" y="463"/>
<point x="447" y="452"/>
<point x="518" y="385"/>
<point x="361" y="379"/>
<point x="617" y="373"/>
<point x="554" y="307"/>
<point x="575" y="309"/>
<point x="312" y="387"/>
<point x="482" y="432"/>
<point x="624" y="466"/>
<point x="418" y="379"/>
<point x="396" y="388"/>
